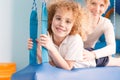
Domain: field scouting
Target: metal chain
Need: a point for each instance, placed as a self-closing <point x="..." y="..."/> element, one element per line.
<point x="34" y="5"/>
<point x="43" y="0"/>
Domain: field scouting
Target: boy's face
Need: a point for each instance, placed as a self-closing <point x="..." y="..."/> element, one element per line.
<point x="62" y="23"/>
<point x="97" y="7"/>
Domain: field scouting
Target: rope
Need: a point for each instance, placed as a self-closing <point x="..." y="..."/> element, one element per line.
<point x="33" y="34"/>
<point x="44" y="26"/>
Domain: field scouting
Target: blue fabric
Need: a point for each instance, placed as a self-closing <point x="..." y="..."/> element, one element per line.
<point x="44" y="24"/>
<point x="117" y="46"/>
<point x="45" y="71"/>
<point x="33" y="36"/>
<point x="26" y="73"/>
<point x="118" y="6"/>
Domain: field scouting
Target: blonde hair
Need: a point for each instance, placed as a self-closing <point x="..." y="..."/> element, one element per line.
<point x="107" y="3"/>
<point x="81" y="17"/>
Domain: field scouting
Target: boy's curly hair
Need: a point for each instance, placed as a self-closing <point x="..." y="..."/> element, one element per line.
<point x="80" y="15"/>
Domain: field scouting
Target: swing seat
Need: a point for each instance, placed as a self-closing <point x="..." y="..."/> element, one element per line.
<point x="45" y="71"/>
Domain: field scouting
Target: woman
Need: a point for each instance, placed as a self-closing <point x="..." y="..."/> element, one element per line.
<point x="101" y="26"/>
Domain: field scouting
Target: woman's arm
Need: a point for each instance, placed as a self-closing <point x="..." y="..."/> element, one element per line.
<point x="110" y="47"/>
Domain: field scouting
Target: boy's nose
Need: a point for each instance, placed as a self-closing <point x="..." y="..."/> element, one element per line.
<point x="62" y="23"/>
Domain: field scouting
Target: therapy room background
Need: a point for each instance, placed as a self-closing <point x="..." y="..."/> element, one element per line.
<point x="14" y="30"/>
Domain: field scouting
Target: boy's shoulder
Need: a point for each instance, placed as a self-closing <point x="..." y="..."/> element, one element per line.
<point x="74" y="37"/>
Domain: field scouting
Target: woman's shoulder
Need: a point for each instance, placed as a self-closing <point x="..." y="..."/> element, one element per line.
<point x="106" y="24"/>
<point x="105" y="20"/>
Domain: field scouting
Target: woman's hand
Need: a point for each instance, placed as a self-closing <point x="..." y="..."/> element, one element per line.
<point x="88" y="55"/>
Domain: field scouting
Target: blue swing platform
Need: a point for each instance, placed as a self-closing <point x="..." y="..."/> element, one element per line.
<point x="45" y="71"/>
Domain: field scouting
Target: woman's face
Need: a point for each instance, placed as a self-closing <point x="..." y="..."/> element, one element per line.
<point x="97" y="7"/>
<point x="62" y="23"/>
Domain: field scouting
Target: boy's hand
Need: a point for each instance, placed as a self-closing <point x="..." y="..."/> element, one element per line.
<point x="45" y="41"/>
<point x="30" y="44"/>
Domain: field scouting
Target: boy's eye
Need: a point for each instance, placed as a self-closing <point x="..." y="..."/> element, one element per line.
<point x="93" y="3"/>
<point x="58" y="18"/>
<point x="68" y="21"/>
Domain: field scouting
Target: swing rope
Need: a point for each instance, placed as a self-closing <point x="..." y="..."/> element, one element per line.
<point x="33" y="34"/>
<point x="44" y="26"/>
<point x="33" y="31"/>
